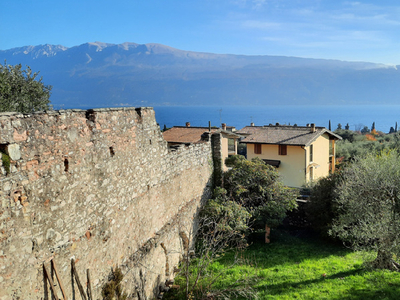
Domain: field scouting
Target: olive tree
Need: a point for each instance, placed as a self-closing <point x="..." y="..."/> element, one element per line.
<point x="258" y="188"/>
<point x="22" y="90"/>
<point x="368" y="198"/>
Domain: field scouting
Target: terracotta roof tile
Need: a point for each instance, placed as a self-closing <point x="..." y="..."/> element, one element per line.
<point x="185" y="134"/>
<point x="284" y="135"/>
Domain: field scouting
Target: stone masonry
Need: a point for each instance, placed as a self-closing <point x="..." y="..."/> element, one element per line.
<point x="99" y="186"/>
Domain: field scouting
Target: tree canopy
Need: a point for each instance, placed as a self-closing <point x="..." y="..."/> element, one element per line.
<point x="368" y="198"/>
<point x="252" y="196"/>
<point x="257" y="187"/>
<point x="22" y="90"/>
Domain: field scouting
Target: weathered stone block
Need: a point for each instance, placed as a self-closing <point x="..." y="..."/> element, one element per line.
<point x="100" y="206"/>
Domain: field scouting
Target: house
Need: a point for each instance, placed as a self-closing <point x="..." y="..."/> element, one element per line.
<point x="300" y="153"/>
<point x="185" y="135"/>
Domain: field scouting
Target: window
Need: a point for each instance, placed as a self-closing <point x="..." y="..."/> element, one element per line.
<point x="311" y="153"/>
<point x="311" y="173"/>
<point x="257" y="148"/>
<point x="282" y="149"/>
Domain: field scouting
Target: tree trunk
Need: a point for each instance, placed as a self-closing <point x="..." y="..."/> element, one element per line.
<point x="267" y="232"/>
<point x="384" y="260"/>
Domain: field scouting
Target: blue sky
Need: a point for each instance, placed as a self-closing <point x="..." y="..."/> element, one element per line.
<point x="332" y="29"/>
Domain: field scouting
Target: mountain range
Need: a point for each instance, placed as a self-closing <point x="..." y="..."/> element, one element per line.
<point x="104" y="75"/>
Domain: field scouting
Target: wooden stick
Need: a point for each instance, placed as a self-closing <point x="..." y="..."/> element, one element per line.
<point x="47" y="274"/>
<point x="78" y="282"/>
<point x="89" y="286"/>
<point x="52" y="278"/>
<point x="53" y="265"/>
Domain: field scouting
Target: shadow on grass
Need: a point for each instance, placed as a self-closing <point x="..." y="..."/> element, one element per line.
<point x="387" y="291"/>
<point x="284" y="287"/>
<point x="286" y="248"/>
<point x="260" y="261"/>
<point x="383" y="290"/>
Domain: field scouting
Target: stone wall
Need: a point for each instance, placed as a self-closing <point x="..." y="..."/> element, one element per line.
<point x="99" y="186"/>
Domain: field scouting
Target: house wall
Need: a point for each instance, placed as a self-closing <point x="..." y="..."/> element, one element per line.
<point x="235" y="144"/>
<point x="292" y="167"/>
<point x="224" y="147"/>
<point x="99" y="186"/>
<point x="320" y="157"/>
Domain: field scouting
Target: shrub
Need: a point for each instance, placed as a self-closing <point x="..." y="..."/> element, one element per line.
<point x="321" y="208"/>
<point x="113" y="289"/>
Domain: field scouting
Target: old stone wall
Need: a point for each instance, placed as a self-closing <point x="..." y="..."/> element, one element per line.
<point x="98" y="186"/>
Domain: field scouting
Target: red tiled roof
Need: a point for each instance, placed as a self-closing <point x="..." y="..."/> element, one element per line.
<point x="283" y="135"/>
<point x="185" y="134"/>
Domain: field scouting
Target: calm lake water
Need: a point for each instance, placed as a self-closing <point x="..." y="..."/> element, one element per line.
<point x="384" y="116"/>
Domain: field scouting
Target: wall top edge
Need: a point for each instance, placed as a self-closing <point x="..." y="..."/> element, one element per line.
<point x="66" y="111"/>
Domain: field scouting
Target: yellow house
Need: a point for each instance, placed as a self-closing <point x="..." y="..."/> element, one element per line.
<point x="185" y="135"/>
<point x="300" y="153"/>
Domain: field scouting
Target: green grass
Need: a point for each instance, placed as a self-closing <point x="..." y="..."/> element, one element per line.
<point x="304" y="267"/>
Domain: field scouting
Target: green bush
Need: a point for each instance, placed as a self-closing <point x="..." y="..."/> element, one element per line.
<point x="257" y="187"/>
<point x="321" y="209"/>
<point x="226" y="217"/>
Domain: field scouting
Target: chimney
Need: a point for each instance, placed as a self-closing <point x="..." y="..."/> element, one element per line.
<point x="251" y="124"/>
<point x="223" y="126"/>
<point x="312" y="127"/>
<point x="187" y="124"/>
<point x="209" y="126"/>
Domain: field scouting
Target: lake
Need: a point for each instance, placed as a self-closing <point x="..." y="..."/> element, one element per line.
<point x="384" y="116"/>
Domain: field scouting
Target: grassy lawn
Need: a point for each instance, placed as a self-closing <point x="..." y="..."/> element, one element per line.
<point x="298" y="266"/>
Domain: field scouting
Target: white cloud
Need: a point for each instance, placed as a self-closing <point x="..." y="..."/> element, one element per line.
<point x="260" y="24"/>
<point x="318" y="28"/>
<point x="253" y="4"/>
<point x="258" y="3"/>
<point x="275" y="39"/>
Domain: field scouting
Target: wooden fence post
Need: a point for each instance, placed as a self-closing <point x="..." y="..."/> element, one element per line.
<point x="78" y="282"/>
<point x="47" y="275"/>
<point x="89" y="286"/>
<point x="53" y="267"/>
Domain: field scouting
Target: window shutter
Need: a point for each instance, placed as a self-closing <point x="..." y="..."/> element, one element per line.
<point x="257" y="148"/>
